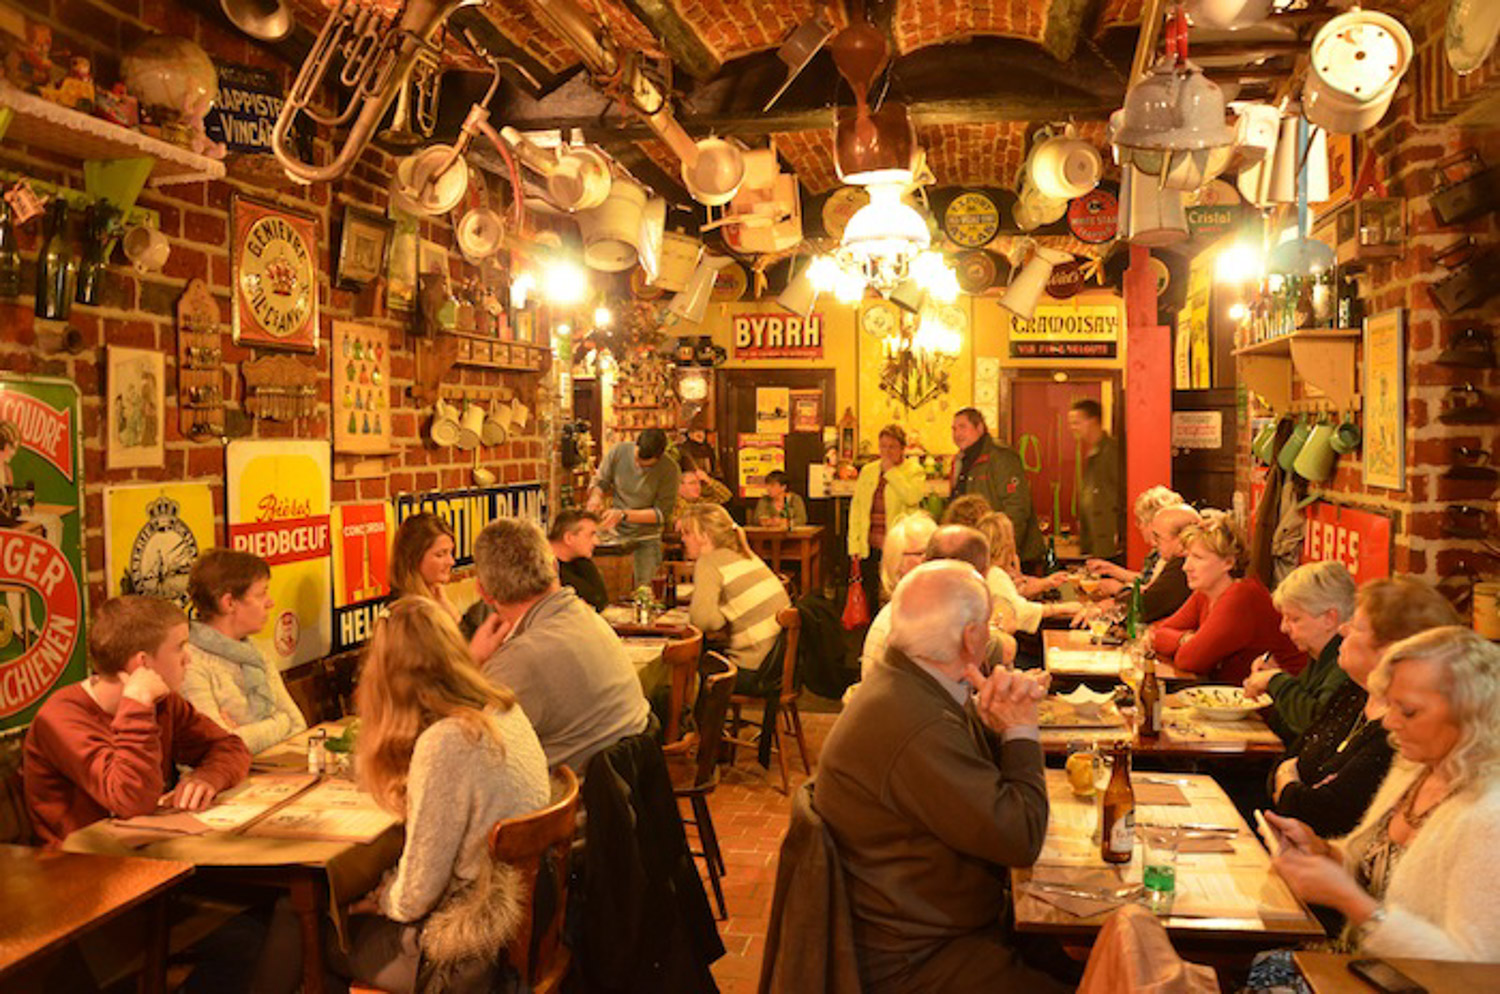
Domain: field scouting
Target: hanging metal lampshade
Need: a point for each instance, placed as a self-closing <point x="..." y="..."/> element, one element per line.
<point x="876" y="148"/>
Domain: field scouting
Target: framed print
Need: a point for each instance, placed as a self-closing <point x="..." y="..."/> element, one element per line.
<point x="401" y="263"/>
<point x="1385" y="400"/>
<point x="135" y="407"/>
<point x="523" y="325"/>
<point x="275" y="258"/>
<point x="361" y="389"/>
<point x="364" y="240"/>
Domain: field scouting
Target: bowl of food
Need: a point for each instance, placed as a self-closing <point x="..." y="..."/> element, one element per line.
<point x="1223" y="703"/>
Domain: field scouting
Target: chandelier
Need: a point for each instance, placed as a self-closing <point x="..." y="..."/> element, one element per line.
<point x="886" y="245"/>
<point x="919" y="357"/>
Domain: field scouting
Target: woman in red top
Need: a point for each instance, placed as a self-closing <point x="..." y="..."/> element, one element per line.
<point x="1229" y="620"/>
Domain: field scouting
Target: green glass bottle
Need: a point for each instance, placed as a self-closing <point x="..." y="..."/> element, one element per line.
<point x="10" y="255"/>
<point x="1133" y="616"/>
<point x="54" y="265"/>
<point x="1049" y="558"/>
<point x="95" y="240"/>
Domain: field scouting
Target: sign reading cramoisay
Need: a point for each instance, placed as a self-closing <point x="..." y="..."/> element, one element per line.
<point x="1086" y="327"/>
<point x="778" y="336"/>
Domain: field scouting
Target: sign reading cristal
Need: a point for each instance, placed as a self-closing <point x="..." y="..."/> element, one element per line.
<point x="1074" y="329"/>
<point x="778" y="336"/>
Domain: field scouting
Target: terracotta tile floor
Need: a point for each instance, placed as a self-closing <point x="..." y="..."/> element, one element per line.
<point x="751" y="815"/>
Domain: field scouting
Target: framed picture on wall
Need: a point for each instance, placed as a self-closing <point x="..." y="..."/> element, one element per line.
<point x="1385" y="400"/>
<point x="275" y="259"/>
<point x="364" y="240"/>
<point x="135" y="408"/>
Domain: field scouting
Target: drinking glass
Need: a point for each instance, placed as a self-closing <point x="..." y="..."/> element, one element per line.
<point x="1159" y="866"/>
<point x="1099" y="627"/>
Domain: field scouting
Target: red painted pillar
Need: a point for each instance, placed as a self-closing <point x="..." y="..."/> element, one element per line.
<point x="1148" y="395"/>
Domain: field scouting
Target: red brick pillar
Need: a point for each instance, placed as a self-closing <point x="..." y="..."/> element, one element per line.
<point x="1148" y="395"/>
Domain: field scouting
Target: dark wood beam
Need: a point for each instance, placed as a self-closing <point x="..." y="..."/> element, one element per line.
<point x="679" y="39"/>
<point x="1067" y="22"/>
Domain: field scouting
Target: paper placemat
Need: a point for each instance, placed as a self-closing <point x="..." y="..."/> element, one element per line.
<point x="1182" y="725"/>
<point x="1159" y="794"/>
<point x="1086" y="662"/>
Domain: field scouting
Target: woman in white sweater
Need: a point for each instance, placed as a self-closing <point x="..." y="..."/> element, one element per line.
<point x="226" y="677"/>
<point x="1412" y="880"/>
<point x="1014" y="612"/>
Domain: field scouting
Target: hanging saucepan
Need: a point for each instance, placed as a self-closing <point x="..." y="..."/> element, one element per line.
<point x="1358" y="59"/>
<point x="433" y="181"/>
<point x="612" y="231"/>
<point x="479" y="233"/>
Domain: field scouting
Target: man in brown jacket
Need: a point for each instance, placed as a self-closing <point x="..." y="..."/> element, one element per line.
<point x="931" y="791"/>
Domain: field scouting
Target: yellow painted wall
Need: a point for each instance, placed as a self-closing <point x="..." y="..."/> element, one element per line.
<point x="931" y="424"/>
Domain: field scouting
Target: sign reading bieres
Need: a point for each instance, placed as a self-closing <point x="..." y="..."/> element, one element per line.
<point x="1361" y="540"/>
<point x="778" y="336"/>
<point x="1085" y="327"/>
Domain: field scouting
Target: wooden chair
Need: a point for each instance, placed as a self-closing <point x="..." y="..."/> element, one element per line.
<point x="693" y="779"/>
<point x="681" y="660"/>
<point x="788" y="720"/>
<point x="526" y="843"/>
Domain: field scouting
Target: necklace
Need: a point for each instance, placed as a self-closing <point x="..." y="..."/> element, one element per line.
<point x="1414" y="821"/>
<point x="1359" y="726"/>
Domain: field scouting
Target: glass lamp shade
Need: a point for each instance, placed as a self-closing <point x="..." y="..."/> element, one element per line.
<point x="886" y="227"/>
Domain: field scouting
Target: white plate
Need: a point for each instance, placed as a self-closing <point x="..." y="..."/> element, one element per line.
<point x="1222" y="703"/>
<point x="1473" y="26"/>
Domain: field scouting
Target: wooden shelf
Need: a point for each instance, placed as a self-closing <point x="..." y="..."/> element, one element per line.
<point x="44" y="124"/>
<point x="1324" y="358"/>
<point x="1282" y="344"/>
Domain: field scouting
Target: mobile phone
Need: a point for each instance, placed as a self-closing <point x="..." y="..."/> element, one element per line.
<point x="1383" y="977"/>
<point x="1268" y="835"/>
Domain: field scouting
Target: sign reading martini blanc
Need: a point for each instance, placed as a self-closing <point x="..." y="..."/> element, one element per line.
<point x="1085" y="327"/>
<point x="468" y="511"/>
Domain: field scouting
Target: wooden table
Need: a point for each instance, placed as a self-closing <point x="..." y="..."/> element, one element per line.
<point x="1328" y="973"/>
<point x="1267" y="912"/>
<point x="803" y="546"/>
<point x="48" y="899"/>
<point x="318" y="875"/>
<point x="1063" y="655"/>
<point x="1184" y="736"/>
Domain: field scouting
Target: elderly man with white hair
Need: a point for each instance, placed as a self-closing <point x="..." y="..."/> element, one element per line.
<point x="931" y="784"/>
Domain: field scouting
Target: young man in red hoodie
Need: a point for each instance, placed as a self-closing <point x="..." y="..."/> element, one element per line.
<point x="110" y="746"/>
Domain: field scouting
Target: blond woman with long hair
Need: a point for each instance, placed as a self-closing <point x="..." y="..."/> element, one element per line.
<point x="1014" y="611"/>
<point x="452" y="754"/>
<point x="422" y="560"/>
<point x="733" y="591"/>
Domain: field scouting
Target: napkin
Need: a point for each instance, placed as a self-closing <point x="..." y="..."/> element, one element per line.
<point x="1205" y="844"/>
<point x="1159" y="794"/>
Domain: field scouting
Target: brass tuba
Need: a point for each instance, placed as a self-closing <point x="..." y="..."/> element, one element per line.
<point x="378" y="58"/>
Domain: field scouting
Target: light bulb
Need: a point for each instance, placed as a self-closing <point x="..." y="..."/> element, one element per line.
<point x="824" y="274"/>
<point x="1237" y="312"/>
<point x="603" y="317"/>
<point x="1240" y="263"/>
<point x="564" y="283"/>
<point x="849" y="288"/>
<point x="521" y="288"/>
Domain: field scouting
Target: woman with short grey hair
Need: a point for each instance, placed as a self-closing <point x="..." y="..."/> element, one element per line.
<point x="1315" y="600"/>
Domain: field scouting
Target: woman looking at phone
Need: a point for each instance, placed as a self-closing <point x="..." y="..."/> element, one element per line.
<point x="1411" y="880"/>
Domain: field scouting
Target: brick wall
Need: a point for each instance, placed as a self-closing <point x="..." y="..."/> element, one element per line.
<point x="1407" y="151"/>
<point x="138" y="311"/>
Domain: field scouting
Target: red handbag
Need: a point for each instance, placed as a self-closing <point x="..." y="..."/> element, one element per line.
<point x="856" y="611"/>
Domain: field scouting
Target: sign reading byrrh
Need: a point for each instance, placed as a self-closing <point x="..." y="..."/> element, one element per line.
<point x="778" y="336"/>
<point x="1084" y="327"/>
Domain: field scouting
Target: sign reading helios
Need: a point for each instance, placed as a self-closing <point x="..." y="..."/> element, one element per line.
<point x="778" y="336"/>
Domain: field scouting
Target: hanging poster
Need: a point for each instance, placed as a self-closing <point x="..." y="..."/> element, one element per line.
<point x="43" y="603"/>
<point x="361" y="389"/>
<point x="1361" y="540"/>
<point x="135" y="407"/>
<point x="278" y="508"/>
<point x="807" y="410"/>
<point x="362" y="535"/>
<point x="773" y="410"/>
<point x="1196" y="307"/>
<point x="759" y="454"/>
<point x="275" y="260"/>
<point x="1385" y="401"/>
<point x="152" y="536"/>
<point x="468" y="511"/>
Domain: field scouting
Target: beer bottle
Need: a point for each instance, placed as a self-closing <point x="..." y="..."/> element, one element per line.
<point x="1149" y="702"/>
<point x="1117" y="822"/>
<point x="1049" y="556"/>
<point x="10" y="256"/>
<point x="55" y="267"/>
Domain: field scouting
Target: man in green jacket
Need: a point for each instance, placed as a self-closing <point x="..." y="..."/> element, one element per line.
<point x="994" y="472"/>
<point x="1100" y="496"/>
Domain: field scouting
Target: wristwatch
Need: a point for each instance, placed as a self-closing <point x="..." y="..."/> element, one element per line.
<point x="1371" y="923"/>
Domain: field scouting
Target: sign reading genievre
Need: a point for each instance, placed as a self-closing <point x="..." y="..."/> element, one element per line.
<point x="43" y="628"/>
<point x="1361" y="540"/>
<point x="1086" y="327"/>
<point x="278" y="509"/>
<point x="778" y="336"/>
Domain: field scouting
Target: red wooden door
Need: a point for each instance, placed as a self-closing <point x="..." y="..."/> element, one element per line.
<point x="1038" y="430"/>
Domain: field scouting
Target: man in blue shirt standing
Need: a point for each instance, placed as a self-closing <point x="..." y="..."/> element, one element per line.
<point x="641" y="485"/>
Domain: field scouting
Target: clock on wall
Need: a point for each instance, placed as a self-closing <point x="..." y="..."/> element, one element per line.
<point x="275" y="276"/>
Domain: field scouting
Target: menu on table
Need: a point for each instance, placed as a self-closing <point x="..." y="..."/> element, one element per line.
<point x="1089" y="662"/>
<point x="234" y="808"/>
<point x="334" y="811"/>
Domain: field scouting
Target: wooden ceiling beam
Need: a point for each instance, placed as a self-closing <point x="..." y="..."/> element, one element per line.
<point x="679" y="39"/>
<point x="1067" y="22"/>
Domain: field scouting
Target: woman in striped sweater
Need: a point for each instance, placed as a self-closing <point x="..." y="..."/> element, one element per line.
<point x="734" y="592"/>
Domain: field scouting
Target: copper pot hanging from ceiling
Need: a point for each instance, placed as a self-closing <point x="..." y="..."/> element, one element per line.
<point x="869" y="146"/>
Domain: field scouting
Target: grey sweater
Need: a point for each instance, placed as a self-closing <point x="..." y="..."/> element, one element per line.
<point x="571" y="674"/>
<point x="632" y="488"/>
<point x="458" y="787"/>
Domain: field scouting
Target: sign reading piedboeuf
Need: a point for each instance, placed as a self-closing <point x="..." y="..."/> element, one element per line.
<point x="1361" y="540"/>
<point x="778" y="336"/>
<point x="43" y="604"/>
<point x="278" y="509"/>
<point x="1088" y="326"/>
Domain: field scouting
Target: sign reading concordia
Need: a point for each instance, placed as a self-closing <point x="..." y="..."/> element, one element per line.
<point x="1074" y="330"/>
<point x="778" y="336"/>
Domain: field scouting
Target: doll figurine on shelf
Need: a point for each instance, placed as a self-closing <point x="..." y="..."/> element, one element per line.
<point x="117" y="106"/>
<point x="77" y="90"/>
<point x="29" y="65"/>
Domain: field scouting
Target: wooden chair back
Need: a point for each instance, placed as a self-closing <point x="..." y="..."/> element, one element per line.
<point x="526" y="843"/>
<point x="15" y="820"/>
<point x="681" y="660"/>
<point x="712" y="707"/>
<point x="790" y="619"/>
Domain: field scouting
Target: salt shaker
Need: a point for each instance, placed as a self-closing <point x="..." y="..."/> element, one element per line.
<point x="317" y="757"/>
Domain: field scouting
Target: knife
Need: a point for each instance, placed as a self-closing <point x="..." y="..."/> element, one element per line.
<point x="1087" y="893"/>
<point x="1150" y="778"/>
<point x="1190" y="826"/>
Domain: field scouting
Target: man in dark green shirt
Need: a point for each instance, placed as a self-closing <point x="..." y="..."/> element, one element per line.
<point x="1100" y="495"/>
<point x="1315" y="601"/>
<point x="995" y="472"/>
<point x="573" y="536"/>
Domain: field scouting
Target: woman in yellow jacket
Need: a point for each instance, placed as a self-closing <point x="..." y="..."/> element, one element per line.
<point x="887" y="490"/>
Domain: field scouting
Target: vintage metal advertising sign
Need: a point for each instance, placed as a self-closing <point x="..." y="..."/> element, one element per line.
<point x="43" y="603"/>
<point x="468" y="511"/>
<point x="278" y="509"/>
<point x="1361" y="540"/>
<point x="362" y="536"/>
<point x="1088" y="326"/>
<point x="778" y="336"/>
<point x="152" y="536"/>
